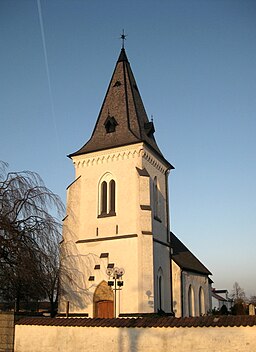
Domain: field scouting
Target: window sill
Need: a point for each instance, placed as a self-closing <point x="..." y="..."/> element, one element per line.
<point x="106" y="215"/>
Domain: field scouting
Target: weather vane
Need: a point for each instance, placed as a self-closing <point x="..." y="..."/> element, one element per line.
<point x="123" y="38"/>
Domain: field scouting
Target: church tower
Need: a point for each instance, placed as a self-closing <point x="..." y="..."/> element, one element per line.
<point x="116" y="242"/>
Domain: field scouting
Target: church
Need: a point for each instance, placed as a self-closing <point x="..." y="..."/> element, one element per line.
<point x="116" y="252"/>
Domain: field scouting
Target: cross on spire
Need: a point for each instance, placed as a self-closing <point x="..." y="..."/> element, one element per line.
<point x="123" y="38"/>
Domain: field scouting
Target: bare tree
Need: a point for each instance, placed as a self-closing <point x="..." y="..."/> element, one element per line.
<point x="50" y="273"/>
<point x="253" y="300"/>
<point x="238" y="293"/>
<point x="239" y="298"/>
<point x="29" y="236"/>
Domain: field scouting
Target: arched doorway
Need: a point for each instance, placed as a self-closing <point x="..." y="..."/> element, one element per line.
<point x="103" y="301"/>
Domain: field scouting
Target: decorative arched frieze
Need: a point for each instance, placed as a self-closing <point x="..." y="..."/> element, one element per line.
<point x="153" y="161"/>
<point x="111" y="157"/>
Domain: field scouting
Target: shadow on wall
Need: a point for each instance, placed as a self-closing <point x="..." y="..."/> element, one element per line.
<point x="74" y="267"/>
<point x="74" y="277"/>
<point x="150" y="298"/>
<point x="129" y="340"/>
<point x="76" y="271"/>
<point x="174" y="307"/>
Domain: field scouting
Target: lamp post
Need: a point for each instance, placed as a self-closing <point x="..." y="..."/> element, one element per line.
<point x="115" y="280"/>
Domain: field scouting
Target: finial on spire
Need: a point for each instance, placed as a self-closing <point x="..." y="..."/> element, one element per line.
<point x="123" y="38"/>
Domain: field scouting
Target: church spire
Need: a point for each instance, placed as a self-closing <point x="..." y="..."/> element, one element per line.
<point x="122" y="119"/>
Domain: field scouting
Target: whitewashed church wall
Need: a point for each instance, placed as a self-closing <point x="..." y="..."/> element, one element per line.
<point x="138" y="292"/>
<point x="80" y="292"/>
<point x="156" y="169"/>
<point x="121" y="163"/>
<point x="97" y="339"/>
<point x="195" y="281"/>
<point x="176" y="290"/>
<point x="71" y="222"/>
<point x="146" y="275"/>
<point x="162" y="268"/>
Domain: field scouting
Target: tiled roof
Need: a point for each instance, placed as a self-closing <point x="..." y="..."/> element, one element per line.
<point x="186" y="259"/>
<point x="122" y="104"/>
<point x="152" y="322"/>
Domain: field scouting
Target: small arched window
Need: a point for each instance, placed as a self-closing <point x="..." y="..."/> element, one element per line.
<point x="103" y="198"/>
<point x="191" y="302"/>
<point x="160" y="290"/>
<point x="112" y="198"/>
<point x="107" y="196"/>
<point x="201" y="301"/>
<point x="156" y="199"/>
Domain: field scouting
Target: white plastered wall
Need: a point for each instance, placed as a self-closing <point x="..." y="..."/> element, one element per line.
<point x="176" y="290"/>
<point x="160" y="230"/>
<point x="97" y="339"/>
<point x="195" y="281"/>
<point x="86" y="235"/>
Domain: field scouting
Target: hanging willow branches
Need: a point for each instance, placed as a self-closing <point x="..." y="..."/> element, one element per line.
<point x="29" y="236"/>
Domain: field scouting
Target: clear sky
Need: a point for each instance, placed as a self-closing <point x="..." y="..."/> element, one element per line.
<point x="195" y="66"/>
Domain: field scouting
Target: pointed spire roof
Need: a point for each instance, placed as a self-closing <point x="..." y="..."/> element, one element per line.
<point x="122" y="119"/>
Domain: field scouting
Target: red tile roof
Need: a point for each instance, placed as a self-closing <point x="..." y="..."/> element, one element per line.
<point x="148" y="322"/>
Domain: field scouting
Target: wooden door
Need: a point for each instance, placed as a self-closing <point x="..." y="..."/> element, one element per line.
<point x="105" y="309"/>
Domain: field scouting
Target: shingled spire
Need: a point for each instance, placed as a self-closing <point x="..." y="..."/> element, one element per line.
<point x="122" y="119"/>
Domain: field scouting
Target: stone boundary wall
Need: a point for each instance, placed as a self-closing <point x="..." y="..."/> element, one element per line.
<point x="50" y="338"/>
<point x="6" y="332"/>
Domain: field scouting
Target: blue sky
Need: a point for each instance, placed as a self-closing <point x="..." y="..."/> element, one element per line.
<point x="195" y="66"/>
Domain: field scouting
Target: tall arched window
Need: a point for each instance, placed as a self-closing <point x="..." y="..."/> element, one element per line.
<point x="191" y="302"/>
<point x="201" y="301"/>
<point x="156" y="198"/>
<point x="107" y="196"/>
<point x="112" y="198"/>
<point x="103" y="198"/>
<point x="160" y="290"/>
